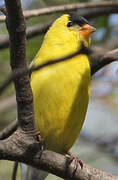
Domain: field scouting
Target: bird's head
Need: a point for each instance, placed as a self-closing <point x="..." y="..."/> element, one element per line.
<point x="66" y="35"/>
<point x="79" y="26"/>
<point x="71" y="27"/>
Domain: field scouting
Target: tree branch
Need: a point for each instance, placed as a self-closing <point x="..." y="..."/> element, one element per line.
<point x="98" y="59"/>
<point x="68" y="7"/>
<point x="35" y="31"/>
<point x="97" y="62"/>
<point x="8" y="130"/>
<point x="15" y="170"/>
<point x="24" y="71"/>
<point x="30" y="33"/>
<point x="98" y="11"/>
<point x="16" y="28"/>
<point x="23" y="148"/>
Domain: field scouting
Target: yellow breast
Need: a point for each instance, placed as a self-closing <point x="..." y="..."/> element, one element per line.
<point x="61" y="94"/>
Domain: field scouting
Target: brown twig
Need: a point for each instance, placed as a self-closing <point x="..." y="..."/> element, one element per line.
<point x="6" y="132"/>
<point x="95" y="12"/>
<point x="68" y="7"/>
<point x="16" y="28"/>
<point x="23" y="71"/>
<point x="30" y="33"/>
<point x="15" y="170"/>
<point x="97" y="62"/>
<point x="41" y="29"/>
<point x="3" y="10"/>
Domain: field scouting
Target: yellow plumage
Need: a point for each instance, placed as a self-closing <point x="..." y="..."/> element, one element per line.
<point x="61" y="91"/>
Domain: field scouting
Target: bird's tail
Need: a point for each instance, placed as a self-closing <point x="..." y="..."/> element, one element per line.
<point x="31" y="173"/>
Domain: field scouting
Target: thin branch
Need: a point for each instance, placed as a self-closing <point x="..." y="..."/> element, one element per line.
<point x="67" y="8"/>
<point x="3" y="10"/>
<point x="41" y="29"/>
<point x="8" y="130"/>
<point x="98" y="11"/>
<point x="15" y="170"/>
<point x="30" y="33"/>
<point x="23" y="71"/>
<point x="97" y="62"/>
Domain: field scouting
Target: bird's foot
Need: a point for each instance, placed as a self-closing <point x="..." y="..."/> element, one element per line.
<point x="42" y="142"/>
<point x="76" y="161"/>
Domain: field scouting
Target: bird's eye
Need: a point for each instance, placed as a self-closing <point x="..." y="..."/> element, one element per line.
<point x="70" y="24"/>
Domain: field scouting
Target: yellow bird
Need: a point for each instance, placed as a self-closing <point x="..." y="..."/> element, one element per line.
<point x="61" y="91"/>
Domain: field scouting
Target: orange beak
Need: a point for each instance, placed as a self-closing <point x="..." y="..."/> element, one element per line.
<point x="86" y="30"/>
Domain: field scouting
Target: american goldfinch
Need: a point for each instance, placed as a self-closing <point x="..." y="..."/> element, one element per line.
<point x="61" y="91"/>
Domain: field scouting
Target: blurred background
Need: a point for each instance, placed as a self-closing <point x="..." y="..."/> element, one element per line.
<point x="97" y="144"/>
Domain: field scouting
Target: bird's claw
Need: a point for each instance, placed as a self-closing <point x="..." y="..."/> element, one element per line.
<point x="76" y="161"/>
<point x="42" y="143"/>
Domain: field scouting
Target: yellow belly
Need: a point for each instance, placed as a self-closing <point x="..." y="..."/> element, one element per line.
<point x="61" y="94"/>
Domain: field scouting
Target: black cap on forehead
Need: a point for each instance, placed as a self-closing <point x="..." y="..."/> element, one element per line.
<point x="77" y="19"/>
